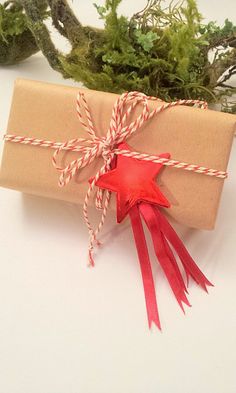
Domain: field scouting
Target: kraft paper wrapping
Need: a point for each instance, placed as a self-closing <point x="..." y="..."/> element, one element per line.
<point x="47" y="111"/>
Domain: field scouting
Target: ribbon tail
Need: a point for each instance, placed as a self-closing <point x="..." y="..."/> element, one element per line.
<point x="164" y="254"/>
<point x="175" y="264"/>
<point x="189" y="265"/>
<point x="145" y="265"/>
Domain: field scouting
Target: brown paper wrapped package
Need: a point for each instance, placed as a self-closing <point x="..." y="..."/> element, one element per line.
<point x="47" y="111"/>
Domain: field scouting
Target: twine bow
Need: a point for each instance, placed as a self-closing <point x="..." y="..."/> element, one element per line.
<point x="106" y="147"/>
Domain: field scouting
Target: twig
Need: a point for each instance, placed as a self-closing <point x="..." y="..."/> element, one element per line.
<point x="231" y="72"/>
<point x="225" y="85"/>
<point x="41" y="33"/>
<point x="66" y="22"/>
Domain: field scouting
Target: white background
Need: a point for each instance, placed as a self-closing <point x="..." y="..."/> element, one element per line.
<point x="65" y="328"/>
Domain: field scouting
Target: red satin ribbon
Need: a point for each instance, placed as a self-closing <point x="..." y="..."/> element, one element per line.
<point x="148" y="283"/>
<point x="163" y="237"/>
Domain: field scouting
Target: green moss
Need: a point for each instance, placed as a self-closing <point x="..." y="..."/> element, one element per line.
<point x="14" y="50"/>
<point x="16" y="40"/>
<point x="161" y="51"/>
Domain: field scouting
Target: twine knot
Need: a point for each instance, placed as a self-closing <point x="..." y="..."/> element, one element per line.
<point x="106" y="148"/>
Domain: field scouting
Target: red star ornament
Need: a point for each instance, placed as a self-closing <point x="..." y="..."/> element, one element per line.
<point x="133" y="181"/>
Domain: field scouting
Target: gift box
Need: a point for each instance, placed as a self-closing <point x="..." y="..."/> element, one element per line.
<point x="189" y="134"/>
<point x="154" y="157"/>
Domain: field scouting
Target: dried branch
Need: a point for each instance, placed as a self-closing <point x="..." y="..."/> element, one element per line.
<point x="231" y="72"/>
<point x="41" y="33"/>
<point x="221" y="65"/>
<point x="66" y="22"/>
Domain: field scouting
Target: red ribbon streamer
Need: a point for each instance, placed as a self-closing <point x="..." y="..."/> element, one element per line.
<point x="148" y="283"/>
<point x="163" y="237"/>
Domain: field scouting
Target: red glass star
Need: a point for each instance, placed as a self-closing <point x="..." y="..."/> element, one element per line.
<point x="133" y="181"/>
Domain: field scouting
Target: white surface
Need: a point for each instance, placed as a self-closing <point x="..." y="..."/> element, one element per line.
<point x="65" y="328"/>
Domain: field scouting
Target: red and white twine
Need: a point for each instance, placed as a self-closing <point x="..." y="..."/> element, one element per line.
<point x="106" y="146"/>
